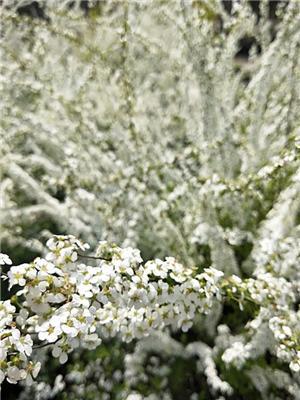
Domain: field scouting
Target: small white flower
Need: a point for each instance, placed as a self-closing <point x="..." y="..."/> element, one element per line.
<point x="49" y="330"/>
<point x="295" y="365"/>
<point x="16" y="275"/>
<point x="59" y="353"/>
<point x="14" y="374"/>
<point x="4" y="259"/>
<point x="185" y="324"/>
<point x="24" y="345"/>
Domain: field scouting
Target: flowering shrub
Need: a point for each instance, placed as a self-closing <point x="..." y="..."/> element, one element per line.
<point x="144" y="124"/>
<point x="69" y="304"/>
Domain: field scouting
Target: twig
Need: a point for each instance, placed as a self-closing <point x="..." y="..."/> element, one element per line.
<point x="39" y="346"/>
<point x="94" y="257"/>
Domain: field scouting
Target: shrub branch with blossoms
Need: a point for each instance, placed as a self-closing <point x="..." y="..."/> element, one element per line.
<point x="67" y="304"/>
<point x="167" y="126"/>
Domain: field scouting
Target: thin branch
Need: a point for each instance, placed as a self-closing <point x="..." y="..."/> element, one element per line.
<point x="94" y="257"/>
<point x="39" y="346"/>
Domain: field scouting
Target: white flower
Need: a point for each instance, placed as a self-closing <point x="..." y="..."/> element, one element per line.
<point x="45" y="268"/>
<point x="16" y="275"/>
<point x="36" y="302"/>
<point x="50" y="330"/>
<point x="33" y="369"/>
<point x="185" y="324"/>
<point x="69" y="327"/>
<point x="130" y="256"/>
<point x="158" y="268"/>
<point x="14" y="374"/>
<point x="22" y="316"/>
<point x="60" y="351"/>
<point x="295" y="364"/>
<point x="54" y="298"/>
<point x="24" y="345"/>
<point x="6" y="313"/>
<point x="80" y="300"/>
<point x="237" y="354"/>
<point x="4" y="259"/>
<point x="91" y="341"/>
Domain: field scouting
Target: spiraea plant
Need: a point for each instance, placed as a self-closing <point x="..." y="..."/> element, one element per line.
<point x="171" y="127"/>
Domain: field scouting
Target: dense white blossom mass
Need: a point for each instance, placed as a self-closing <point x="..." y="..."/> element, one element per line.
<point x="171" y="127"/>
<point x="65" y="303"/>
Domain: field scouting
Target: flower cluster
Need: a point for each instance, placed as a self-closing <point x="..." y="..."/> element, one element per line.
<point x="177" y="133"/>
<point x="275" y="330"/>
<point x="69" y="304"/>
<point x="15" y="348"/>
